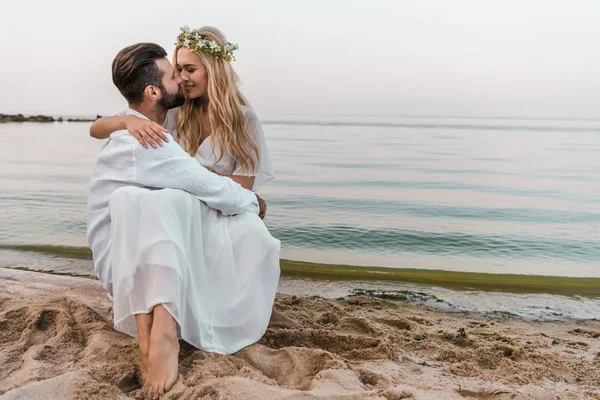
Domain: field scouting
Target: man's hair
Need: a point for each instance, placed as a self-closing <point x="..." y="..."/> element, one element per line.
<point x="135" y="67"/>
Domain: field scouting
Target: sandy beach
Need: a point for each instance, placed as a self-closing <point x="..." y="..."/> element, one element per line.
<point x="57" y="341"/>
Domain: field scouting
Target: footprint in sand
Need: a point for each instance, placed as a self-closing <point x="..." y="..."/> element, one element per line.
<point x="353" y="347"/>
<point x="290" y="367"/>
<point x="359" y="326"/>
<point x="585" y="333"/>
<point x="41" y="340"/>
<point x="43" y="328"/>
<point x="397" y="323"/>
<point x="486" y="391"/>
<point x="373" y="380"/>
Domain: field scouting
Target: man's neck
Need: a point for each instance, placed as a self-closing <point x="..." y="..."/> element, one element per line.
<point x="152" y="112"/>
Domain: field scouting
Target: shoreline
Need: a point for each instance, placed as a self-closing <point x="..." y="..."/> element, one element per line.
<point x="56" y="337"/>
<point x="588" y="287"/>
<point x="6" y="118"/>
<point x="528" y="306"/>
<point x="456" y="280"/>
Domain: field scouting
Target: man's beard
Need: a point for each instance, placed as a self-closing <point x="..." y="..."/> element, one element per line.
<point x="171" y="100"/>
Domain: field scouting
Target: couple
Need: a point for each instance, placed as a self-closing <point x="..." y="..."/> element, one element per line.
<point x="176" y="230"/>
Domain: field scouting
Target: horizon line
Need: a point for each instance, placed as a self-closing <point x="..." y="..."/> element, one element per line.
<point x="370" y="115"/>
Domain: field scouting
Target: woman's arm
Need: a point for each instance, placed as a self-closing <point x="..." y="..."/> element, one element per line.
<point x="263" y="171"/>
<point x="103" y="127"/>
<point x="247" y="182"/>
<point x="145" y="131"/>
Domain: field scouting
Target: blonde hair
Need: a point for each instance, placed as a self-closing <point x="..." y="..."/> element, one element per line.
<point x="225" y="115"/>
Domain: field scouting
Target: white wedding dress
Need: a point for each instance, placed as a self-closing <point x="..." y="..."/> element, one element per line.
<point x="217" y="275"/>
<point x="226" y="165"/>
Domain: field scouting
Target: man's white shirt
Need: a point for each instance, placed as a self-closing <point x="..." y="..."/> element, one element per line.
<point x="124" y="162"/>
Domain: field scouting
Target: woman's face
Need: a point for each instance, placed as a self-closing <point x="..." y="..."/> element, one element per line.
<point x="192" y="73"/>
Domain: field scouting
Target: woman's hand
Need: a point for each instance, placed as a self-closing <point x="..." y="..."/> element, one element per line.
<point x="262" y="207"/>
<point x="146" y="131"/>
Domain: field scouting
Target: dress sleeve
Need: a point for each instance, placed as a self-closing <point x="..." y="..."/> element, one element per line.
<point x="171" y="120"/>
<point x="265" y="169"/>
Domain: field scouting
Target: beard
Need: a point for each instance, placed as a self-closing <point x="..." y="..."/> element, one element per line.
<point x="171" y="100"/>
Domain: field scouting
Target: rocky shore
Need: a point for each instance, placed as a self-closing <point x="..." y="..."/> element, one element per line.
<point x="42" y="118"/>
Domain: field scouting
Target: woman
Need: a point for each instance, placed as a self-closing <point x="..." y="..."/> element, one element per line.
<point x="219" y="129"/>
<point x="215" y="116"/>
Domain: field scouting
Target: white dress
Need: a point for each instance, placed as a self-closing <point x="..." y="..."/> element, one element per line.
<point x="217" y="275"/>
<point x="226" y="166"/>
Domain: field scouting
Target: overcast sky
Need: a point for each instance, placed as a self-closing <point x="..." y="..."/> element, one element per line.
<point x="423" y="57"/>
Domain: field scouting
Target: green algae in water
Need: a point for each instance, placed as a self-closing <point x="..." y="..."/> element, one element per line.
<point x="58" y="251"/>
<point x="456" y="280"/>
<point x="52" y="272"/>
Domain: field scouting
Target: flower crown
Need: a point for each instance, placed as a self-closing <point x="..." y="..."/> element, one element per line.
<point x="194" y="41"/>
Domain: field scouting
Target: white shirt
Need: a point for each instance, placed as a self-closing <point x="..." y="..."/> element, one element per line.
<point x="123" y="162"/>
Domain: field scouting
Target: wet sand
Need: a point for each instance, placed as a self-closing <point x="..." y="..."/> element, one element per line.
<point x="57" y="341"/>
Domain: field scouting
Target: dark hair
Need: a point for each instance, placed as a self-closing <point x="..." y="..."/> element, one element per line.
<point x="135" y="67"/>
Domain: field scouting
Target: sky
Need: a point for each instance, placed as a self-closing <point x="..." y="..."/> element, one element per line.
<point x="480" y="58"/>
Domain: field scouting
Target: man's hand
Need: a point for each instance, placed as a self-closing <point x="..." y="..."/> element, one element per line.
<point x="262" y="207"/>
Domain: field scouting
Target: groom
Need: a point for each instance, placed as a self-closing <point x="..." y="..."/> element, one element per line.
<point x="148" y="81"/>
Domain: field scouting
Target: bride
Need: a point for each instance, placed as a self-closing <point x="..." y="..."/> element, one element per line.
<point x="217" y="126"/>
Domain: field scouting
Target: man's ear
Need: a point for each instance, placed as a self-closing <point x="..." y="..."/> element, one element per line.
<point x="151" y="92"/>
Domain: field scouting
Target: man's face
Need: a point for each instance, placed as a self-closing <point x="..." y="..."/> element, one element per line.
<point x="172" y="95"/>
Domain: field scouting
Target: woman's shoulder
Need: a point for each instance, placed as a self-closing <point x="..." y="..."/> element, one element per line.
<point x="171" y="118"/>
<point x="172" y="113"/>
<point x="249" y="112"/>
<point x="252" y="121"/>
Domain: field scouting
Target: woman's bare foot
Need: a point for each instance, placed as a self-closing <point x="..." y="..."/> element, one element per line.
<point x="144" y="325"/>
<point x="281" y="321"/>
<point x="163" y="355"/>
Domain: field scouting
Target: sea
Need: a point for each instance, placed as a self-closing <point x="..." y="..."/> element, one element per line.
<point x="478" y="195"/>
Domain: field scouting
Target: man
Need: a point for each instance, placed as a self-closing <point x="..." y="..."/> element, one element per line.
<point x="196" y="259"/>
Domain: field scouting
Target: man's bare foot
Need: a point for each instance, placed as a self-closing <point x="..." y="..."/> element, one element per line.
<point x="144" y="326"/>
<point x="163" y="355"/>
<point x="281" y="321"/>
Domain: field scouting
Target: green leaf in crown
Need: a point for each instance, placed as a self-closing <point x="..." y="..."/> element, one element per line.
<point x="194" y="41"/>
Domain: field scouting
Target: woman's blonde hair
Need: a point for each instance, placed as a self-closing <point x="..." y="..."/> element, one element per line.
<point x="225" y="115"/>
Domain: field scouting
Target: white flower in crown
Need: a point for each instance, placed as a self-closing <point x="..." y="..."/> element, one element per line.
<point x="194" y="41"/>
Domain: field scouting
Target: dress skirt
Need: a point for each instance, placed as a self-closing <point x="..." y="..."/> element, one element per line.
<point x="216" y="275"/>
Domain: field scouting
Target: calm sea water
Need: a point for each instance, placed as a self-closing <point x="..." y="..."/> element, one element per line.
<point x="479" y="195"/>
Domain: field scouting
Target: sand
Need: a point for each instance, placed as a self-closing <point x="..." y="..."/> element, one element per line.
<point x="57" y="341"/>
